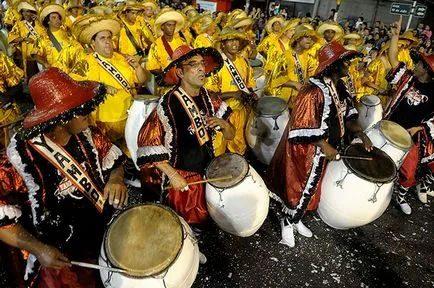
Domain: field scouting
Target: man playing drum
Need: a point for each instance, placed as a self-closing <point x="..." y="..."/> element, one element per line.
<point x="56" y="180"/>
<point x="177" y="137"/>
<point x="412" y="107"/>
<point x="323" y="110"/>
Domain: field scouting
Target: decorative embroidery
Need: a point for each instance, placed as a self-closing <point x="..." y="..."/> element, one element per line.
<point x="235" y="74"/>
<point x="115" y="73"/>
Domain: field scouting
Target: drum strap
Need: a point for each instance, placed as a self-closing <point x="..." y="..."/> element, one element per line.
<point x="282" y="46"/>
<point x="63" y="161"/>
<point x="298" y="68"/>
<point x="331" y="87"/>
<point x="350" y="85"/>
<point x="235" y="74"/>
<point x="31" y="29"/>
<point x="194" y="115"/>
<point x="133" y="41"/>
<point x="166" y="45"/>
<point x="115" y="73"/>
<point x="149" y="27"/>
<point x="54" y="41"/>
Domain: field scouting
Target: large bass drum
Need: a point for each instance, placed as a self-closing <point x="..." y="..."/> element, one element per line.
<point x="356" y="192"/>
<point x="265" y="127"/>
<point x="238" y="205"/>
<point x="155" y="246"/>
<point x="137" y="114"/>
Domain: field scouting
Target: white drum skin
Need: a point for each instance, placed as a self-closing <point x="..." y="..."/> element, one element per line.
<point x="370" y="111"/>
<point x="137" y="115"/>
<point x="261" y="136"/>
<point x="181" y="274"/>
<point x="352" y="202"/>
<point x="240" y="210"/>
<point x="377" y="138"/>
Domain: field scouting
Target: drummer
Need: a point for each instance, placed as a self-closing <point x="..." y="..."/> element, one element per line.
<point x="67" y="222"/>
<point x="323" y="110"/>
<point x="177" y="137"/>
<point x="412" y="107"/>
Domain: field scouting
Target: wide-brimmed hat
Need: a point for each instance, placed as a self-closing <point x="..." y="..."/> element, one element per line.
<point x="205" y="23"/>
<point x="187" y="10"/>
<point x="289" y="24"/>
<point x="212" y="58"/>
<point x="73" y="4"/>
<point x="355" y="36"/>
<point x="409" y="36"/>
<point x="240" y="22"/>
<point x="331" y="26"/>
<point x="96" y="25"/>
<point x="100" y="10"/>
<point x="26" y="6"/>
<point x="80" y="22"/>
<point x="427" y="59"/>
<point x="303" y="30"/>
<point x="166" y="16"/>
<point x="229" y="33"/>
<point x="386" y="46"/>
<point x="236" y="14"/>
<point x="132" y="5"/>
<point x="150" y="4"/>
<point x="271" y="21"/>
<point x="58" y="99"/>
<point x="51" y="8"/>
<point x="331" y="53"/>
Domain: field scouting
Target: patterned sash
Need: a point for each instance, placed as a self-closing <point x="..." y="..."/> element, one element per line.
<point x="235" y="74"/>
<point x="115" y="73"/>
<point x="31" y="29"/>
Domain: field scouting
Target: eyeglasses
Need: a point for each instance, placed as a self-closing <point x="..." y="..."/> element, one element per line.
<point x="196" y="65"/>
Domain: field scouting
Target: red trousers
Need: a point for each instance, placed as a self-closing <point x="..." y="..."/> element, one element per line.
<point x="407" y="172"/>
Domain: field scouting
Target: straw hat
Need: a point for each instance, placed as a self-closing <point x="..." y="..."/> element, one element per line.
<point x="26" y="6"/>
<point x="100" y="10"/>
<point x="80" y="22"/>
<point x="271" y="21"/>
<point x="401" y="43"/>
<point x="240" y="22"/>
<point x="331" y="53"/>
<point x="132" y="5"/>
<point x="150" y="4"/>
<point x="331" y="26"/>
<point x="290" y="24"/>
<point x="303" y="30"/>
<point x="166" y="16"/>
<point x="51" y="8"/>
<point x="97" y="25"/>
<point x="213" y="62"/>
<point x="188" y="10"/>
<point x="355" y="36"/>
<point x="236" y="14"/>
<point x="73" y="4"/>
<point x="229" y="33"/>
<point x="58" y="99"/>
<point x="205" y="23"/>
<point x="409" y="36"/>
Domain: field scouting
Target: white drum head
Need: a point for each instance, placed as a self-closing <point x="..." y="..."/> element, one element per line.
<point x="370" y="100"/>
<point x="270" y="106"/>
<point x="228" y="164"/>
<point x="396" y="134"/>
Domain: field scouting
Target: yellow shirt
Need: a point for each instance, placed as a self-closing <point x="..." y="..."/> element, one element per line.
<point x="356" y="78"/>
<point x="115" y="107"/>
<point x="286" y="70"/>
<point x="10" y="74"/>
<point x="223" y="81"/>
<point x="203" y="40"/>
<point x="147" y="28"/>
<point x="313" y="51"/>
<point x="125" y="45"/>
<point x="404" y="56"/>
<point x="377" y="71"/>
<point x="158" y="58"/>
<point x="47" y="50"/>
<point x="273" y="54"/>
<point x="268" y="42"/>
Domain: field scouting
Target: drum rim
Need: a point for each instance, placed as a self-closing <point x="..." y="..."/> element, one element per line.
<point x="378" y="124"/>
<point x="224" y="188"/>
<point x="259" y="61"/>
<point x="364" y="177"/>
<point x="269" y="115"/>
<point x="134" y="206"/>
<point x="153" y="99"/>
<point x="370" y="105"/>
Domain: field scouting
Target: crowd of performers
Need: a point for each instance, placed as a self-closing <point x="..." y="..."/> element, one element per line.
<point x="62" y="169"/>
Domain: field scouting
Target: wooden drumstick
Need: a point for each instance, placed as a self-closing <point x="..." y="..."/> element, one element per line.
<point x="206" y="181"/>
<point x="98" y="267"/>
<point x="356" y="157"/>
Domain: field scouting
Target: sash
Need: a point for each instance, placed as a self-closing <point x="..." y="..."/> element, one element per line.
<point x="31" y="29"/>
<point x="298" y="68"/>
<point x="133" y="41"/>
<point x="338" y="104"/>
<point x="167" y="47"/>
<point x="194" y="115"/>
<point x="61" y="159"/>
<point x="54" y="41"/>
<point x="149" y="27"/>
<point x="115" y="73"/>
<point x="235" y="75"/>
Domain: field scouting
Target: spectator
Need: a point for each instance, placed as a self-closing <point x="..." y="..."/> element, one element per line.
<point x="427" y="32"/>
<point x="359" y="23"/>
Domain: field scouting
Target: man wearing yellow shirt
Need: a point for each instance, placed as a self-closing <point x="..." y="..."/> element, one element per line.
<point x="295" y="66"/>
<point x="131" y="37"/>
<point x="234" y="83"/>
<point x="121" y="74"/>
<point x="273" y="28"/>
<point x="74" y="10"/>
<point x="23" y="37"/>
<point x="328" y="31"/>
<point x="12" y="15"/>
<point x="148" y="20"/>
<point x="207" y="29"/>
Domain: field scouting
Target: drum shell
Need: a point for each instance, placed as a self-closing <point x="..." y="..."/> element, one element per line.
<point x="381" y="142"/>
<point x="180" y="274"/>
<point x="349" y="206"/>
<point x="261" y="81"/>
<point x="369" y="115"/>
<point x="261" y="136"/>
<point x="137" y="115"/>
<point x="240" y="210"/>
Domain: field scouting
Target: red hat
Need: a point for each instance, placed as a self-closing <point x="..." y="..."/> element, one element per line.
<point x="213" y="62"/>
<point x="331" y="53"/>
<point x="58" y="99"/>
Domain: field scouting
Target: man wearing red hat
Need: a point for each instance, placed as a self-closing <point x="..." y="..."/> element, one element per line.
<point x="322" y="111"/>
<point x="412" y="107"/>
<point x="177" y="137"/>
<point x="55" y="182"/>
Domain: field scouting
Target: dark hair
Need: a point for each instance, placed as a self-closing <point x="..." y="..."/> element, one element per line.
<point x="361" y="18"/>
<point x="47" y="19"/>
<point x="370" y="41"/>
